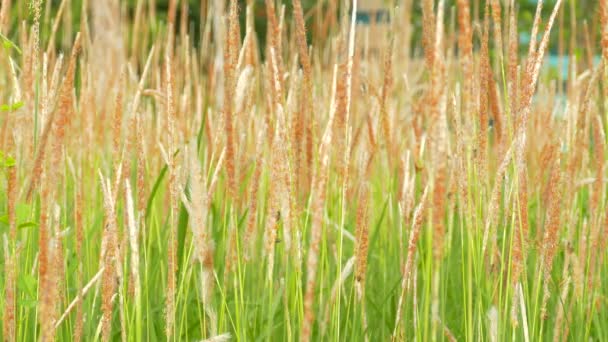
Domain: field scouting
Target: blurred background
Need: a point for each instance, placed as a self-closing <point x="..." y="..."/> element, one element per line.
<point x="578" y="20"/>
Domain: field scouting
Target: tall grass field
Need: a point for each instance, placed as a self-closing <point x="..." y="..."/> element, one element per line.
<point x="277" y="170"/>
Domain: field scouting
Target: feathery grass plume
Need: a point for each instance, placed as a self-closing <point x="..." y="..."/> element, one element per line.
<point x="319" y="182"/>
<point x="552" y="225"/>
<point x="340" y="124"/>
<point x="279" y="206"/>
<point x="535" y="28"/>
<point x="465" y="48"/>
<point x="305" y="121"/>
<point x="253" y="197"/>
<point x="11" y="254"/>
<point x="580" y="139"/>
<point x="461" y="156"/>
<point x="64" y="109"/>
<point x="173" y="190"/>
<point x="5" y="10"/>
<point x="599" y="140"/>
<point x="274" y="38"/>
<point x="603" y="9"/>
<point x="30" y="75"/>
<point x="117" y="122"/>
<point x="386" y="89"/>
<point x="361" y="242"/>
<point x="250" y="40"/>
<point x="10" y="291"/>
<point x="45" y="302"/>
<point x="417" y="222"/>
<point x="198" y="208"/>
<point x="497" y="19"/>
<point x="438" y="137"/>
<point x="230" y="59"/>
<point x="481" y="159"/>
<point x="512" y="64"/>
<point x="498" y="120"/>
<point x="535" y="59"/>
<point x="595" y="204"/>
<point x="243" y="90"/>
<point x="133" y="243"/>
<point x="428" y="32"/>
<point x="137" y="136"/>
<point x="109" y="259"/>
<point x="206" y="256"/>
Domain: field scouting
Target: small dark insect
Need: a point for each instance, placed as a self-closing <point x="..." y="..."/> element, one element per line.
<point x="278" y="216"/>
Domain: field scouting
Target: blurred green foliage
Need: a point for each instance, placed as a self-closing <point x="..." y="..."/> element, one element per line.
<point x="573" y="11"/>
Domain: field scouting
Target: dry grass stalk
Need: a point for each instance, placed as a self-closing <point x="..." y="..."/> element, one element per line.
<point x="253" y="198"/>
<point x="319" y="182"/>
<point x="535" y="59"/>
<point x="417" y="223"/>
<point x="56" y="22"/>
<point x="137" y="136"/>
<point x="198" y="207"/>
<point x="78" y="300"/>
<point x="133" y="242"/>
<point x="279" y="208"/>
<point x="110" y="259"/>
